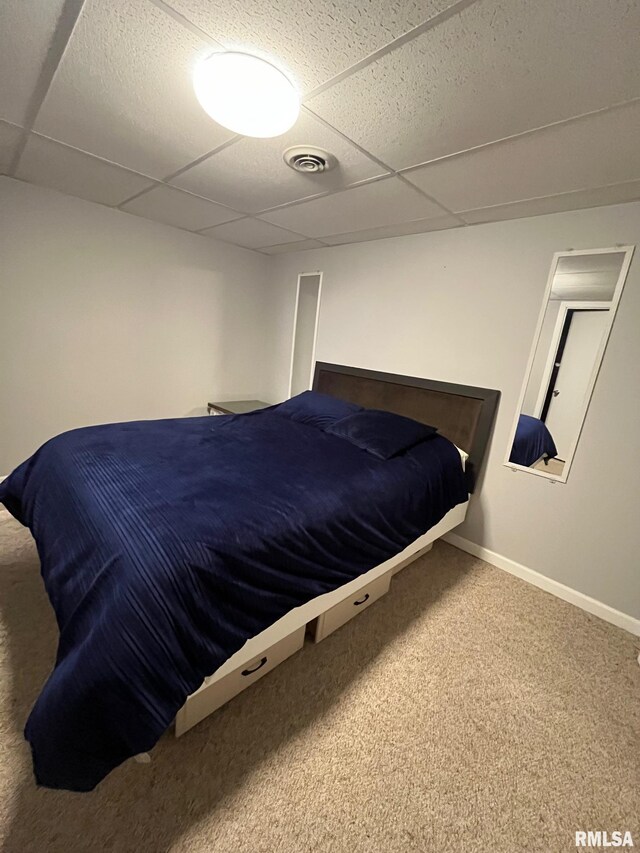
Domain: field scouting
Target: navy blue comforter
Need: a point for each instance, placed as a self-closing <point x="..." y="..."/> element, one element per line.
<point x="166" y="545"/>
<point x="532" y="440"/>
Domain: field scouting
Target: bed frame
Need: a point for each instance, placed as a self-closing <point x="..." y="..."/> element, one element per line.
<point x="462" y="413"/>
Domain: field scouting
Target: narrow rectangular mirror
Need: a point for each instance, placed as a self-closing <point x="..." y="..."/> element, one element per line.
<point x="578" y="310"/>
<point x="305" y="332"/>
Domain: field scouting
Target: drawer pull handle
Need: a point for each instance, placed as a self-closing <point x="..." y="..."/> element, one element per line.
<point x="255" y="668"/>
<point x="362" y="600"/>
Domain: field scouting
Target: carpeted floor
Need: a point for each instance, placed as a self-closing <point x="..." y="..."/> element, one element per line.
<point x="553" y="466"/>
<point x="465" y="711"/>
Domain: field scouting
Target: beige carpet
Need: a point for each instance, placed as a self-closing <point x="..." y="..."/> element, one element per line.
<point x="465" y="711"/>
<point x="553" y="466"/>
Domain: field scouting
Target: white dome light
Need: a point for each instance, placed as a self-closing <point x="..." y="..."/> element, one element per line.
<point x="246" y="94"/>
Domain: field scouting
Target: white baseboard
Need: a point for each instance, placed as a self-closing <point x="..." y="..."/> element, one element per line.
<point x="597" y="608"/>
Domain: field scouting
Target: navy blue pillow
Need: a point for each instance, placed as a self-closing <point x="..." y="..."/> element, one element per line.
<point x="316" y="409"/>
<point x="381" y="433"/>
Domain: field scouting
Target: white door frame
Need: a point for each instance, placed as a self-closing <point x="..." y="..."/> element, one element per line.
<point x="564" y="308"/>
<point x="302" y="275"/>
<point x="624" y="269"/>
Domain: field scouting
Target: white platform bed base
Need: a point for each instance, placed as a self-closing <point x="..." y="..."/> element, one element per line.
<point x="264" y="652"/>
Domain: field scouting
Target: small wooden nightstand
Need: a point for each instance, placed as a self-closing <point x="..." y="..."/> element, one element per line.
<point x="236" y="407"/>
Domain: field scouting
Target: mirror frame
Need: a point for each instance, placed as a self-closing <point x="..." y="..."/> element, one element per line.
<point x="622" y="277"/>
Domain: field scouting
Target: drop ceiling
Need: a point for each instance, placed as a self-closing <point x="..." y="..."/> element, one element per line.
<point x="441" y="114"/>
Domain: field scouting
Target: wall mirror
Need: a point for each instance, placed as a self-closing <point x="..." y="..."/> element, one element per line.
<point x="578" y="310"/>
<point x="305" y="332"/>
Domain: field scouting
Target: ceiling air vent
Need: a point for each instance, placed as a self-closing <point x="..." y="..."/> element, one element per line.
<point x="311" y="161"/>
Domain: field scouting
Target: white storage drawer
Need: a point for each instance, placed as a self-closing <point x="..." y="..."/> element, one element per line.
<point x="348" y="608"/>
<point x="216" y="691"/>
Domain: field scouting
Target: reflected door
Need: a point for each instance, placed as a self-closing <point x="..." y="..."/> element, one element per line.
<point x="576" y="359"/>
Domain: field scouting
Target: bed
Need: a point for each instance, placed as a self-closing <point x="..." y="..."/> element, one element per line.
<point x="532" y="442"/>
<point x="172" y="550"/>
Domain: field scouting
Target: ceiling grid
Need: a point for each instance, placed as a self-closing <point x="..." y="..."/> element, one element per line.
<point x="441" y="114"/>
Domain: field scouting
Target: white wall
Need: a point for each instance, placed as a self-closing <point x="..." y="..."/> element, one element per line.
<point x="462" y="306"/>
<point x="105" y="317"/>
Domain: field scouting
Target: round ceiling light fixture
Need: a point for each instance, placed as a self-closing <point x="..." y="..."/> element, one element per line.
<point x="246" y="94"/>
<point x="307" y="159"/>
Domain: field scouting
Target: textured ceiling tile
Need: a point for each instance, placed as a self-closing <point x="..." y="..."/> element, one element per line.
<point x="297" y="246"/>
<point x="251" y="174"/>
<point x="598" y="197"/>
<point x="123" y="90"/>
<point x="9" y="138"/>
<point x="419" y="226"/>
<point x="76" y="173"/>
<point x="251" y="233"/>
<point x="181" y="209"/>
<point x="384" y="202"/>
<point x="26" y="29"/>
<point x="590" y="152"/>
<point x="496" y="69"/>
<point x="313" y="39"/>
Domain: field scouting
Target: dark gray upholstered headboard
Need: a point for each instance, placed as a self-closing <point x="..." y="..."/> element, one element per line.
<point x="462" y="413"/>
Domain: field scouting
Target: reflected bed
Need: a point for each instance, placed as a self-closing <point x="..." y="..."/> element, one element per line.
<point x="532" y="442"/>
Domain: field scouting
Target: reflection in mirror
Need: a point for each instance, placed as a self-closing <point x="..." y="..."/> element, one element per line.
<point x="580" y="303"/>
